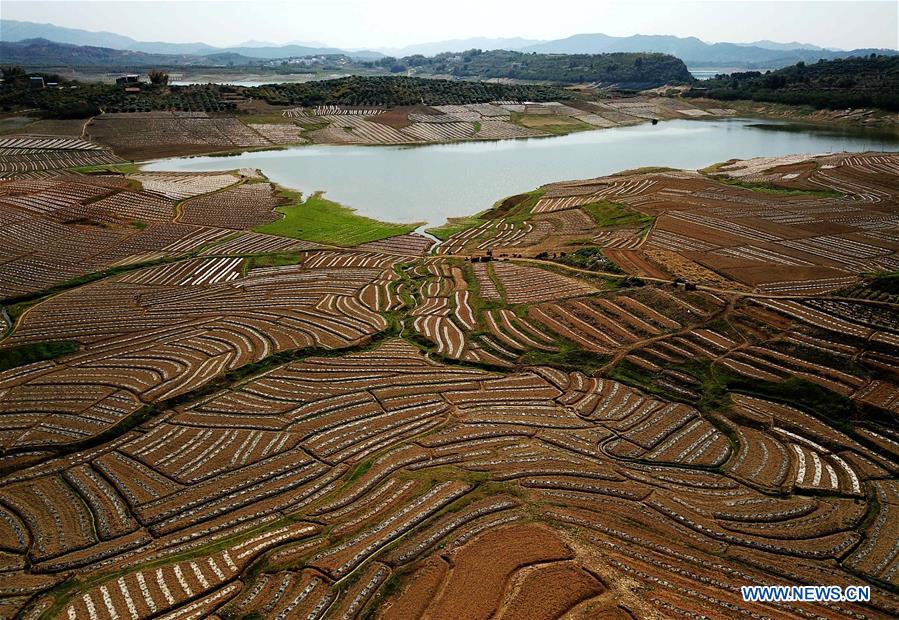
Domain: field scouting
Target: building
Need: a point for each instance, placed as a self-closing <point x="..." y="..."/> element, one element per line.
<point x="131" y="79"/>
<point x="36" y="81"/>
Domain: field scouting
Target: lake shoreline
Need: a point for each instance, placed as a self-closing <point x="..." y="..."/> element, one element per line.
<point x="433" y="182"/>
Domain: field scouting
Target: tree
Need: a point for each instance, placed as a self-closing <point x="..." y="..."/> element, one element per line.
<point x="12" y="72"/>
<point x="160" y="78"/>
<point x="14" y="75"/>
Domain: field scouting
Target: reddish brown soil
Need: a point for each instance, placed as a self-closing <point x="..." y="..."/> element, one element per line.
<point x="635" y="263"/>
<point x="548" y="592"/>
<point x="415" y="598"/>
<point x="482" y="568"/>
<point x="399" y="117"/>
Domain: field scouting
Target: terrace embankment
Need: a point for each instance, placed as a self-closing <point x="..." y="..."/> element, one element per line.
<point x="854" y="118"/>
<point x="232" y="423"/>
<point x="147" y="135"/>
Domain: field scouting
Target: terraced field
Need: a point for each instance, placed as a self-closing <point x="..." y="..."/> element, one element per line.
<point x="499" y="120"/>
<point x="623" y="397"/>
<point x="113" y="137"/>
<point x="24" y="154"/>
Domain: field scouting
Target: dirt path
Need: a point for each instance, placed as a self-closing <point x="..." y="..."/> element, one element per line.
<point x="179" y="206"/>
<point x="639" y="344"/>
<point x="84" y="128"/>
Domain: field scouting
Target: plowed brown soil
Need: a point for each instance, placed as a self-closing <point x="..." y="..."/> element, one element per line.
<point x="483" y="567"/>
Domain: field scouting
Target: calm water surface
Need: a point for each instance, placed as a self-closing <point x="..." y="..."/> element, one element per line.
<point x="431" y="183"/>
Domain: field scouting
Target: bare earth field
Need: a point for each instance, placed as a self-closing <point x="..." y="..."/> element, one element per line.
<point x="147" y="135"/>
<point x="661" y="386"/>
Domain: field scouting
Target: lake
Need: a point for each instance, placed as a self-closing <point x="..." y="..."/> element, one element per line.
<point x="431" y="183"/>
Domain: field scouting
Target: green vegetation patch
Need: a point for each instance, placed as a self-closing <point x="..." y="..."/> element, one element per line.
<point x="359" y="471"/>
<point x="454" y="225"/>
<point x="612" y="215"/>
<point x="275" y="260"/>
<point x="568" y="357"/>
<point x="589" y="258"/>
<point x="554" y="124"/>
<point x="886" y="283"/>
<point x="35" y="352"/>
<point x="766" y="187"/>
<point x="883" y="287"/>
<point x="717" y="383"/>
<point x="321" y="220"/>
<point x="516" y="209"/>
<point x="647" y="170"/>
<point x="108" y="169"/>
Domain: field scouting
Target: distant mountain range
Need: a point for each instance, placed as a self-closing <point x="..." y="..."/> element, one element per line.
<point x="514" y="44"/>
<point x="44" y="53"/>
<point x="694" y="52"/>
<point x="582" y="45"/>
<point x="12" y="30"/>
<point x="697" y="53"/>
<point x="794" y="45"/>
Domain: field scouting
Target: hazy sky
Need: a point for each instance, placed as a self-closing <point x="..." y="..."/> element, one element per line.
<point x="394" y="23"/>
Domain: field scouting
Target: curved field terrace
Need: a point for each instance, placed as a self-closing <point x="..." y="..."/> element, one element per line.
<point x="624" y="396"/>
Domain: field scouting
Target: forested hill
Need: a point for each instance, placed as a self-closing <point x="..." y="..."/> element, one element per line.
<point x="864" y="82"/>
<point x="633" y="70"/>
<point x="80" y="100"/>
<point x="401" y="90"/>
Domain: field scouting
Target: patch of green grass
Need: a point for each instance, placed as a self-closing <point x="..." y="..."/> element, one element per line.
<point x="645" y="170"/>
<point x="108" y="169"/>
<point x="274" y="260"/>
<point x="138" y="224"/>
<point x="766" y="187"/>
<point x="710" y="170"/>
<point x="359" y="471"/>
<point x="324" y="221"/>
<point x="590" y="258"/>
<point x="554" y="124"/>
<point x="611" y="215"/>
<point x="455" y="225"/>
<point x="516" y="209"/>
<point x="35" y="352"/>
<point x="568" y="357"/>
<point x="308" y="128"/>
<point x="497" y="283"/>
<point x="478" y="304"/>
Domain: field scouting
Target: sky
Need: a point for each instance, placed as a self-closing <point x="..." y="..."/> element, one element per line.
<point x="844" y="24"/>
